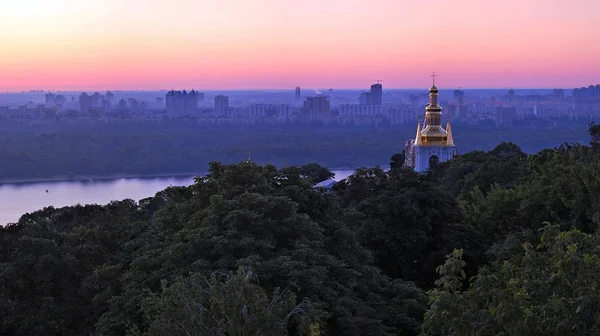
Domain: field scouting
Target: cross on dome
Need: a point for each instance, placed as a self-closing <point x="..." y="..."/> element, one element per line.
<point x="433" y="75"/>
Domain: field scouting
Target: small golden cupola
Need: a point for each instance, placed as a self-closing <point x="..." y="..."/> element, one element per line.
<point x="432" y="143"/>
<point x="433" y="134"/>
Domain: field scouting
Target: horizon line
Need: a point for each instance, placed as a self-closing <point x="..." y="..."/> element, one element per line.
<point x="291" y="89"/>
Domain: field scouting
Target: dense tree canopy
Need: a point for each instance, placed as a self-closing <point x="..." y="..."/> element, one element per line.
<point x="546" y="289"/>
<point x="500" y="241"/>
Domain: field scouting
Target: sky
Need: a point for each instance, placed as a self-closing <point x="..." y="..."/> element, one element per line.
<point x="277" y="44"/>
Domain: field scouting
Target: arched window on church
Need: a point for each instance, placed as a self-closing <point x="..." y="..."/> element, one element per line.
<point x="433" y="161"/>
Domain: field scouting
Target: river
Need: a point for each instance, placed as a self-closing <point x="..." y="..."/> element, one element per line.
<point x="20" y="198"/>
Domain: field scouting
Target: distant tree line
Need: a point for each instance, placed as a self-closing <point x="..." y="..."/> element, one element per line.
<point x="176" y="147"/>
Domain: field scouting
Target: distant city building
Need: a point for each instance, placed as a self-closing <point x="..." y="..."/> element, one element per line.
<point x="372" y="97"/>
<point x="159" y="101"/>
<point x="587" y="92"/>
<point x="221" y="104"/>
<point x="96" y="99"/>
<point x="280" y="111"/>
<point x="365" y="98"/>
<point x="122" y="105"/>
<point x="182" y="103"/>
<point x="511" y="95"/>
<point x="60" y="100"/>
<point x="505" y="115"/>
<point x="360" y="110"/>
<point x="110" y="100"/>
<point x="317" y="106"/>
<point x="50" y="98"/>
<point x="432" y="144"/>
<point x="85" y="103"/>
<point x="459" y="96"/>
<point x="558" y="94"/>
<point x="376" y="94"/>
<point x="133" y="104"/>
<point x="297" y="93"/>
<point x="454" y="110"/>
<point x="586" y="100"/>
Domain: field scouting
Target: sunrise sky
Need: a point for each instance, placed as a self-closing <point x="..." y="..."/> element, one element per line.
<point x="276" y="44"/>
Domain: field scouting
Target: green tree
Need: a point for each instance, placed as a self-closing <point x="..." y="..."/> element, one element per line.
<point x="544" y="289"/>
<point x="505" y="165"/>
<point x="405" y="221"/>
<point x="594" y="131"/>
<point x="397" y="160"/>
<point x="315" y="172"/>
<point x="225" y="304"/>
<point x="274" y="221"/>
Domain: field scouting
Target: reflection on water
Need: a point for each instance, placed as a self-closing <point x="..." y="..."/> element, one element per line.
<point x="17" y="199"/>
<point x="20" y="198"/>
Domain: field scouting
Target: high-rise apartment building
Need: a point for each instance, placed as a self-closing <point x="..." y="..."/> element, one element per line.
<point x="221" y="104"/>
<point x="110" y="100"/>
<point x="317" y="106"/>
<point x="182" y="103"/>
<point x="558" y="94"/>
<point x="365" y="98"/>
<point x="50" y="98"/>
<point x="122" y="107"/>
<point x="85" y="103"/>
<point x="587" y="99"/>
<point x="60" y="100"/>
<point x="297" y="93"/>
<point x="459" y="96"/>
<point x="505" y="115"/>
<point x="96" y="99"/>
<point x="376" y="94"/>
<point x="511" y="95"/>
<point x="372" y="97"/>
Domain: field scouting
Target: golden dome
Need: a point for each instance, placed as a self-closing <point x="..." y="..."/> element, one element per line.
<point x="433" y="89"/>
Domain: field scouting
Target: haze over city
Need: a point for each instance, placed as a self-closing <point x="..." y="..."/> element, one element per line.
<point x="262" y="44"/>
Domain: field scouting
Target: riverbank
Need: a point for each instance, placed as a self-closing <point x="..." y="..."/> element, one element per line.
<point x="92" y="178"/>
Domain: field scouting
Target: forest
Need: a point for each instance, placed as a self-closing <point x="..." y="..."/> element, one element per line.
<point x="84" y="150"/>
<point x="495" y="242"/>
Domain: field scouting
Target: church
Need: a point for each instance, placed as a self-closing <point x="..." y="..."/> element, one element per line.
<point x="432" y="143"/>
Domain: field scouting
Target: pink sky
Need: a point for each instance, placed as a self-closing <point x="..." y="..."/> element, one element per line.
<point x="276" y="44"/>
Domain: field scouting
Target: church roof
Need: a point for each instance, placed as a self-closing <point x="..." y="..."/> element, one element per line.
<point x="449" y="140"/>
<point x="418" y="141"/>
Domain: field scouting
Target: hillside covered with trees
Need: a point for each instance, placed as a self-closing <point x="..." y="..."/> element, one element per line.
<point x="493" y="242"/>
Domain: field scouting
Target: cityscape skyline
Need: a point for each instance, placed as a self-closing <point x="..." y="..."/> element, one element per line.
<point x="152" y="45"/>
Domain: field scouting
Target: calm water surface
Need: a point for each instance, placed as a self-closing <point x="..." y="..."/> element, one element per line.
<point x="18" y="199"/>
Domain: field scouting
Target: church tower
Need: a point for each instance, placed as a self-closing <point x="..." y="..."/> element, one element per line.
<point x="432" y="144"/>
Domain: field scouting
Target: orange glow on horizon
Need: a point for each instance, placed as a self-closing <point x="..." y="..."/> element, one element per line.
<point x="262" y="44"/>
